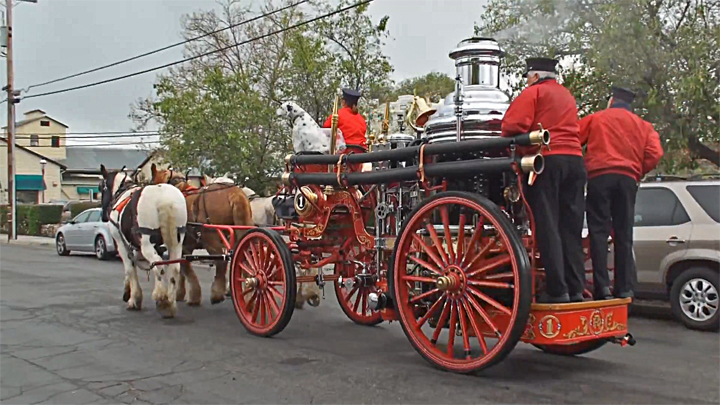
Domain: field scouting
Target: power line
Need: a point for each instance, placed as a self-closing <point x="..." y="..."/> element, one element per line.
<point x="49" y="93"/>
<point x="165" y="47"/>
<point x="87" y="133"/>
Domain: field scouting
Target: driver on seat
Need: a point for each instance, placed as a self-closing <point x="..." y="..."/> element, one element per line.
<point x="350" y="122"/>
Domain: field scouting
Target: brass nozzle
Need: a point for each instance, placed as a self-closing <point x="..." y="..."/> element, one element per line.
<point x="288" y="158"/>
<point x="286" y="178"/>
<point x="535" y="164"/>
<point x="540" y="137"/>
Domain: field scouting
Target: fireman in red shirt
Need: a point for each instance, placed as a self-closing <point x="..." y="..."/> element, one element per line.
<point x="556" y="197"/>
<point x="621" y="149"/>
<point x="350" y="122"/>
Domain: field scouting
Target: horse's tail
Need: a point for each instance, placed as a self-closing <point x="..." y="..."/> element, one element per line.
<point x="169" y="226"/>
<point x="241" y="211"/>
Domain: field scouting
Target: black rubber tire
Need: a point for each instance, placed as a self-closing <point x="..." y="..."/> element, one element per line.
<point x="574" y="349"/>
<point x="712" y="324"/>
<point x="290" y="282"/>
<point x="101" y="244"/>
<point x="60" y="246"/>
<point x="524" y="270"/>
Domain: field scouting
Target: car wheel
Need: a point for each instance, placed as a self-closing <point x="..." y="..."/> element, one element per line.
<point x="694" y="298"/>
<point x="60" y="247"/>
<point x="101" y="251"/>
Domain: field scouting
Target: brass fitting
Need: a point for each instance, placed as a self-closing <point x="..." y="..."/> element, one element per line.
<point x="288" y="158"/>
<point x="535" y="164"/>
<point x="540" y="137"/>
<point x="303" y="207"/>
<point x="286" y="178"/>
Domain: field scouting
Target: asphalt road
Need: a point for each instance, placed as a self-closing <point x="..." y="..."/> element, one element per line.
<point x="66" y="337"/>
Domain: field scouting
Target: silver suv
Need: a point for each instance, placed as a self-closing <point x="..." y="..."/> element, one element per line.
<point x="677" y="247"/>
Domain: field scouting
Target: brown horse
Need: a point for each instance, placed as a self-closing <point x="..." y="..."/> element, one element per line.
<point x="218" y="204"/>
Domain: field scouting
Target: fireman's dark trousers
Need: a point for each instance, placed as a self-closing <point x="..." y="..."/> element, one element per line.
<point x="611" y="206"/>
<point x="558" y="205"/>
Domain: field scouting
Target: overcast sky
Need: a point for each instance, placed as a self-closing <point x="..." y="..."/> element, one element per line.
<point x="54" y="38"/>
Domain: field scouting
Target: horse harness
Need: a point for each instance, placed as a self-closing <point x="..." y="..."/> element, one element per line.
<point x="127" y="224"/>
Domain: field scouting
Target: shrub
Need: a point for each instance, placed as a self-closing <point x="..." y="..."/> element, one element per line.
<point x="75" y="209"/>
<point x="30" y="218"/>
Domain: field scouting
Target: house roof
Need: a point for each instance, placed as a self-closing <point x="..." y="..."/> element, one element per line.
<point x="29" y="120"/>
<point x="32" y="152"/>
<point x="88" y="160"/>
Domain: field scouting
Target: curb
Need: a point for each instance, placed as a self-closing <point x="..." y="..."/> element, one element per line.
<point x="49" y="242"/>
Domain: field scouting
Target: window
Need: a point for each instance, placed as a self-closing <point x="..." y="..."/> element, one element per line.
<point x="658" y="206"/>
<point x="708" y="196"/>
<point x="82" y="217"/>
<point x="34" y="140"/>
<point x="55" y="141"/>
<point x="26" y="196"/>
<point x="44" y="123"/>
<point x="94" y="216"/>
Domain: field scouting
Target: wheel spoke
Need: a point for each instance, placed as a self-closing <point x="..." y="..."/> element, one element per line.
<point x="273" y="304"/>
<point x="476" y="329"/>
<point x="452" y="329"/>
<point x="251" y="262"/>
<point x="364" y="302"/>
<point x="490" y="301"/>
<point x="275" y="292"/>
<point x="246" y="269"/>
<point x="499" y="276"/>
<point x="419" y="279"/>
<point x="254" y="255"/>
<point x="436" y="240"/>
<point x="430" y="252"/>
<point x="256" y="308"/>
<point x="424" y="295"/>
<point x="474" y="241"/>
<point x="495" y="262"/>
<point x="448" y="237"/>
<point x="441" y="321"/>
<point x="425" y="264"/>
<point x="430" y="311"/>
<point x="491" y="284"/>
<point x="484" y="315"/>
<point x="461" y="238"/>
<point x="479" y="254"/>
<point x="357" y="302"/>
<point x="463" y="328"/>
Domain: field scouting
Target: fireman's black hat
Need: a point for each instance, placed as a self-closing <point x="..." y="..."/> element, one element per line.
<point x="623" y="94"/>
<point x="540" y="65"/>
<point x="351" y="96"/>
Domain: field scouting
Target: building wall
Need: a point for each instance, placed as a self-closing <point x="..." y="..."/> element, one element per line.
<point x="72" y="182"/>
<point x="27" y="163"/>
<point x="45" y="135"/>
<point x="145" y="172"/>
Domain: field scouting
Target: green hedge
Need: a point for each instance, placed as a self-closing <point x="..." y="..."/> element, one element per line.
<point x="77" y="208"/>
<point x="31" y="217"/>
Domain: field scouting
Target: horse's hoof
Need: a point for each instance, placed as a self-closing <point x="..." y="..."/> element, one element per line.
<point x="126" y="296"/>
<point x="299" y="305"/>
<point x="133" y="306"/>
<point x="314" y="301"/>
<point x="165" y="308"/>
<point x="193" y="303"/>
<point x="217" y="299"/>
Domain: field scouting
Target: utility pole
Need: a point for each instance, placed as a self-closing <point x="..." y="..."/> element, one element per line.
<point x="12" y="233"/>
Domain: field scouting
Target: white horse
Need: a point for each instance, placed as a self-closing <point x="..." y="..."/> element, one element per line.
<point x="141" y="219"/>
<point x="262" y="209"/>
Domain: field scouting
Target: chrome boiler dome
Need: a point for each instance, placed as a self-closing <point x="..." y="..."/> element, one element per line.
<point x="477" y="61"/>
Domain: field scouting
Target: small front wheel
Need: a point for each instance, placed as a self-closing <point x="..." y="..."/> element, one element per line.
<point x="263" y="282"/>
<point x="353" y="299"/>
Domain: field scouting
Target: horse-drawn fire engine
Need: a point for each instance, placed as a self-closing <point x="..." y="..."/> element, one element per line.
<point x="437" y="236"/>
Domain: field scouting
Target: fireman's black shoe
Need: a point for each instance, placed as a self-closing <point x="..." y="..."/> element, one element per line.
<point x="549" y="299"/>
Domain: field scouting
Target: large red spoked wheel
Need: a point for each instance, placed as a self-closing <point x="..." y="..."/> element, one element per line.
<point x="467" y="276"/>
<point x="263" y="283"/>
<point x="575" y="349"/>
<point x="353" y="297"/>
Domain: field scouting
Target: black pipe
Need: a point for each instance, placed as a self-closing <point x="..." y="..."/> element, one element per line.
<point x="409" y="153"/>
<point x="463" y="168"/>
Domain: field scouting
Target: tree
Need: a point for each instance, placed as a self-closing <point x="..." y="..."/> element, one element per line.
<point x="218" y="113"/>
<point x="667" y="50"/>
<point x="434" y="86"/>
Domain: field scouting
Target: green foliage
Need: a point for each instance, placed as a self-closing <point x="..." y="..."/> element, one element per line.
<point x="434" y="86"/>
<point x="30" y="218"/>
<point x="668" y="51"/>
<point x="218" y="113"/>
<point x="76" y="209"/>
